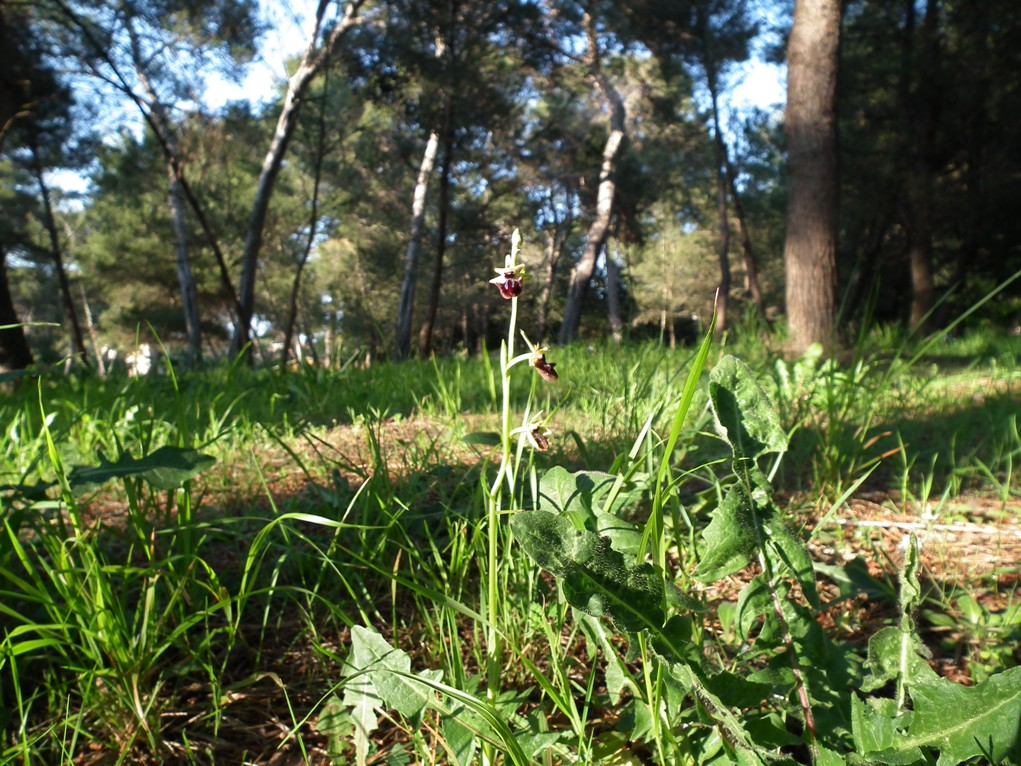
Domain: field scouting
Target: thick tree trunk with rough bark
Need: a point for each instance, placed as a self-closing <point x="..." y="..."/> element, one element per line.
<point x="811" y="131"/>
<point x="312" y="62"/>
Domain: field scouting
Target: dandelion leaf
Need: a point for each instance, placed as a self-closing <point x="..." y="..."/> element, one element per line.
<point x="389" y="671"/>
<point x="745" y="417"/>
<point x="730" y="540"/>
<point x="166" y="468"/>
<point x="961" y="722"/>
<point x="596" y="579"/>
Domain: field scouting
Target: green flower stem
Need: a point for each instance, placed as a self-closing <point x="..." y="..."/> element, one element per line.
<point x="505" y="473"/>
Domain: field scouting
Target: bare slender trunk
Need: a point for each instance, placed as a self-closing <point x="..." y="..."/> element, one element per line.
<point x="425" y="335"/>
<point x="406" y="307"/>
<point x="176" y="200"/>
<point x="600" y="226"/>
<point x="165" y="142"/>
<point x="613" y="298"/>
<point x="185" y="278"/>
<point x="554" y="249"/>
<point x="722" y="244"/>
<point x="90" y="328"/>
<point x="720" y="149"/>
<point x="811" y="130"/>
<point x="74" y="327"/>
<point x="313" y="225"/>
<point x="751" y="267"/>
<point x="312" y="62"/>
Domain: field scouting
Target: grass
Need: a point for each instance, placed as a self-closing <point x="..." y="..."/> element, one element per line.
<point x="215" y="619"/>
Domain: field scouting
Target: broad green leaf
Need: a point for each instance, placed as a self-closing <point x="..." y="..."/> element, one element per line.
<point x="166" y="468"/>
<point x="794" y="553"/>
<point x="596" y="579"/>
<point x="335" y="722"/>
<point x="625" y="537"/>
<point x="535" y="743"/>
<point x="387" y="669"/>
<point x="361" y="696"/>
<point x="965" y="722"/>
<point x="561" y="491"/>
<point x="730" y="540"/>
<point x="753" y="601"/>
<point x="730" y="726"/>
<point x="745" y="417"/>
<point x="459" y="737"/>
<point x="875" y="723"/>
<point x="893" y="655"/>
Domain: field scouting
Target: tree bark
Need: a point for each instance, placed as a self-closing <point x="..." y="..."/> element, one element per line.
<point x="811" y="131"/>
<point x="312" y="62"/>
<point x="15" y="353"/>
<point x="73" y="325"/>
<point x="600" y="226"/>
<point x="406" y="306"/>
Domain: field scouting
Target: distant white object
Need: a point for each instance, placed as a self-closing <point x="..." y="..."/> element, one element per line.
<point x="139" y="361"/>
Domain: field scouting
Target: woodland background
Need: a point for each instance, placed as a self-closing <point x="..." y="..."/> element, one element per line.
<point x="368" y="209"/>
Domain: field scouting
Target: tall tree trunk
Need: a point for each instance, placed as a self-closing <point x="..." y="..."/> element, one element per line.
<point x="600" y="226"/>
<point x="90" y="329"/>
<point x="175" y="198"/>
<point x="73" y="325"/>
<point x="15" y="353"/>
<point x="406" y="307"/>
<point x="312" y="62"/>
<point x="723" y="241"/>
<point x="722" y="222"/>
<point x="751" y="266"/>
<point x="922" y="111"/>
<point x="554" y="248"/>
<point x="182" y="260"/>
<point x="165" y="140"/>
<point x="616" y="315"/>
<point x="811" y="131"/>
<point x="313" y="225"/>
<point x="425" y="334"/>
